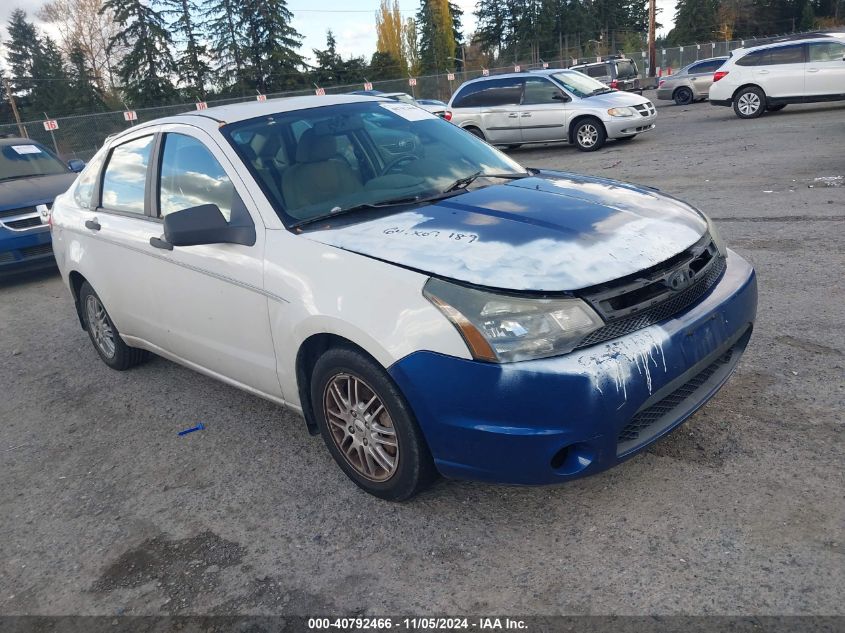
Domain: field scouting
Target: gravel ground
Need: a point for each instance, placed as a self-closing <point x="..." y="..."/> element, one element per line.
<point x="105" y="510"/>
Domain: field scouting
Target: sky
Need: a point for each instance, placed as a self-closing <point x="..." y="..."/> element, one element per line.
<point x="352" y="21"/>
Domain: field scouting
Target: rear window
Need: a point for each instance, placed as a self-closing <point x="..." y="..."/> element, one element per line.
<point x="706" y="67"/>
<point x="596" y="70"/>
<point x="493" y="92"/>
<point x="626" y="69"/>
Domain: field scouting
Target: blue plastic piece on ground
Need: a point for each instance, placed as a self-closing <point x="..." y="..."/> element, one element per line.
<point x="198" y="427"/>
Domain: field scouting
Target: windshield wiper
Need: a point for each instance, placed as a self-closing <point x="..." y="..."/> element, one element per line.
<point x="600" y="91"/>
<point x="466" y="181"/>
<point x="395" y="202"/>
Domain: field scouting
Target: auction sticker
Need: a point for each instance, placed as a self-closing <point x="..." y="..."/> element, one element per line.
<point x="26" y="149"/>
<point x="407" y="111"/>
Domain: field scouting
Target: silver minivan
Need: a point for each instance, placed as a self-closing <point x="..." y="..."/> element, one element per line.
<point x="547" y="106"/>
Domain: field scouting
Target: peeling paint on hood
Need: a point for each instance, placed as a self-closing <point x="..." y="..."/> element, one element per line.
<point x="550" y="232"/>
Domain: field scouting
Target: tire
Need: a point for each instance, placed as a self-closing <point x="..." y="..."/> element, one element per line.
<point x="104" y="335"/>
<point x="627" y="138"/>
<point x="589" y="135"/>
<point x="683" y="96"/>
<point x="749" y="103"/>
<point x="776" y="108"/>
<point x="475" y="132"/>
<point x="391" y="463"/>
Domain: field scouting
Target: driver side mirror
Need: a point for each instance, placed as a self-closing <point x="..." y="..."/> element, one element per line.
<point x="76" y="165"/>
<point x="559" y="96"/>
<point x="205" y="224"/>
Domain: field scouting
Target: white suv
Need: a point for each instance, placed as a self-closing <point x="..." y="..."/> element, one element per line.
<point x="770" y="77"/>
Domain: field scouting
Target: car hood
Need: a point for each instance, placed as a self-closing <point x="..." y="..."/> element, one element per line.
<point x="550" y="232"/>
<point x="615" y="99"/>
<point x="27" y="192"/>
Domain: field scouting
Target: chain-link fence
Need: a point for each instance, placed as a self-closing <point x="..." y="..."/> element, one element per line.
<point x="79" y="136"/>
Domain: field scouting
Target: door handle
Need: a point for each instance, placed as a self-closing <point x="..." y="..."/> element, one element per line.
<point x="526" y="115"/>
<point x="93" y="225"/>
<point x="160" y="243"/>
<point x="763" y="72"/>
<point x="812" y="70"/>
<point x="513" y="115"/>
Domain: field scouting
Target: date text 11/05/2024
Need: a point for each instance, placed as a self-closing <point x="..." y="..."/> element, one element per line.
<point x="418" y="623"/>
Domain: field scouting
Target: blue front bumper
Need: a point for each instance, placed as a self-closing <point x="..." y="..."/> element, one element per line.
<point x="25" y="250"/>
<point x="546" y="421"/>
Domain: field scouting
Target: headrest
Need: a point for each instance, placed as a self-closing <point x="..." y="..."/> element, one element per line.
<point x="313" y="148"/>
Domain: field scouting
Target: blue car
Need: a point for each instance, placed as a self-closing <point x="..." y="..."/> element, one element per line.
<point x="31" y="177"/>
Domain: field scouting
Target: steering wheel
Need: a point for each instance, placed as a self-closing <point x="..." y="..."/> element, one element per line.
<point x="407" y="158"/>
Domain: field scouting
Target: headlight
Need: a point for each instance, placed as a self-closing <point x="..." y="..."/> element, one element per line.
<point x="716" y="236"/>
<point x="503" y="328"/>
<point x="621" y="112"/>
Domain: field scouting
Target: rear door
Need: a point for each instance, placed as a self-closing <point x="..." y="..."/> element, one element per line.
<point x="544" y="112"/>
<point x="211" y="296"/>
<point x="780" y="71"/>
<point x="498" y="101"/>
<point x="701" y="76"/>
<point x="825" y="70"/>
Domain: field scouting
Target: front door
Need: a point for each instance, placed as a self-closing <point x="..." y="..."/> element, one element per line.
<point x="825" y="70"/>
<point x="543" y="115"/>
<point x="212" y="297"/>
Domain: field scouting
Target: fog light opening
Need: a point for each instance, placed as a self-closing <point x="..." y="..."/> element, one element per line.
<point x="559" y="458"/>
<point x="572" y="459"/>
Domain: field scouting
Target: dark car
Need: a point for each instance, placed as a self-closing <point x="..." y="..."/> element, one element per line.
<point x="615" y="71"/>
<point x="31" y="177"/>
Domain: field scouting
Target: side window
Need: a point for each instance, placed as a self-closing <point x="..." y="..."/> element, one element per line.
<point x="754" y="58"/>
<point x="826" y="52"/>
<point x="464" y="97"/>
<point x="539" y="91"/>
<point x="84" y="192"/>
<point x="126" y="176"/>
<point x="499" y="92"/>
<point x="191" y="176"/>
<point x="598" y="70"/>
<point x="786" y="55"/>
<point x="706" y="67"/>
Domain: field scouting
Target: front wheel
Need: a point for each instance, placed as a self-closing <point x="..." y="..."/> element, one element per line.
<point x="368" y="427"/>
<point x="750" y="103"/>
<point x="589" y="135"/>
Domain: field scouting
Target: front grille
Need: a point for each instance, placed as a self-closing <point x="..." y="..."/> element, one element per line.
<point x="660" y="312"/>
<point x="645" y="109"/>
<point x="24" y="223"/>
<point x="11" y="213"/>
<point x="6" y="257"/>
<point x="37" y="251"/>
<point x="650" y="422"/>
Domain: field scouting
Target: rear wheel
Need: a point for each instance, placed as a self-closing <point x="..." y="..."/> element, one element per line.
<point x="749" y="103"/>
<point x="368" y="427"/>
<point x="589" y="135"/>
<point x="683" y="96"/>
<point x="475" y="132"/>
<point x="104" y="335"/>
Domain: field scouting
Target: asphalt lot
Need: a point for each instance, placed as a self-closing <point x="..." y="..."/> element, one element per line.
<point x="105" y="510"/>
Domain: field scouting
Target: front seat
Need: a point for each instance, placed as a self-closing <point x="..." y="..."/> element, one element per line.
<point x="318" y="174"/>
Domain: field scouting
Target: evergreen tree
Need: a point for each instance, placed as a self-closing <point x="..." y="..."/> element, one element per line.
<point x="146" y="68"/>
<point x="695" y="21"/>
<point x="329" y="63"/>
<point x="457" y="33"/>
<point x="436" y="36"/>
<point x="384" y="65"/>
<point x="50" y="84"/>
<point x="226" y="42"/>
<point x="21" y="51"/>
<point x="270" y="45"/>
<point x="808" y="17"/>
<point x="84" y="93"/>
<point x="191" y="63"/>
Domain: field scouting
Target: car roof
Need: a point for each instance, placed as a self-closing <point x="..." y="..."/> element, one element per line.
<point x="235" y="112"/>
<point x="539" y="71"/>
<point x="17" y="140"/>
<point x="810" y="38"/>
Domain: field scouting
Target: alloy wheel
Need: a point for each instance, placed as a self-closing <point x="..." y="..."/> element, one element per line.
<point x="588" y="135"/>
<point x="361" y="427"/>
<point x="749" y="103"/>
<point x="100" y="326"/>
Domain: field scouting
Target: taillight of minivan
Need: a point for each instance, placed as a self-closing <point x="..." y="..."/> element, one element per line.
<point x="719" y="74"/>
<point x="614" y="84"/>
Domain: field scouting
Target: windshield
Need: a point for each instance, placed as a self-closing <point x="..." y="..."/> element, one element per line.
<point x="25" y="160"/>
<point x="625" y="69"/>
<point x="316" y="162"/>
<point x="579" y="84"/>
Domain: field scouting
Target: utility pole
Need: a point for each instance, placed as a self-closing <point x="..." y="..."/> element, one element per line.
<point x="652" y="50"/>
<point x="11" y="97"/>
